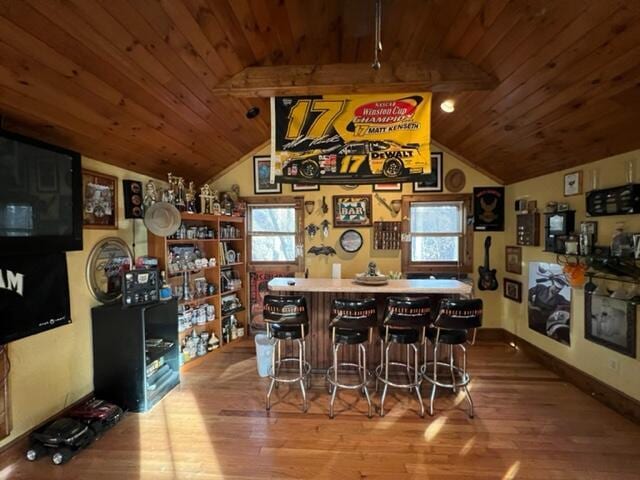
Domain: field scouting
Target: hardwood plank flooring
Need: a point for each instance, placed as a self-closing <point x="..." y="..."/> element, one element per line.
<point x="529" y="424"/>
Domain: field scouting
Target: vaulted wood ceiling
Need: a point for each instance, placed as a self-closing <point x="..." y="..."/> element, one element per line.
<point x="130" y="82"/>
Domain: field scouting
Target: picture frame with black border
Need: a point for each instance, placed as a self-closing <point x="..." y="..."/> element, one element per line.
<point x="513" y="259"/>
<point x="611" y="323"/>
<point x="433" y="180"/>
<point x="512" y="289"/>
<point x="305" y="187"/>
<point x="262" y="176"/>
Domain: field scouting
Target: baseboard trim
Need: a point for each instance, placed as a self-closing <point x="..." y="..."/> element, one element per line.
<point x="606" y="394"/>
<point x="24" y="437"/>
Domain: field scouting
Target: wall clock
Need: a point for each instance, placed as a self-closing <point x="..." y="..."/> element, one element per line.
<point x="351" y="241"/>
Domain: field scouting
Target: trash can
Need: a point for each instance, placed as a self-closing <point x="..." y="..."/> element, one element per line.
<point x="264" y="353"/>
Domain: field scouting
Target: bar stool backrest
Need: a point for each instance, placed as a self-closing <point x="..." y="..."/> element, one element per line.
<point x="353" y="314"/>
<point x="456" y="314"/>
<point x="407" y="312"/>
<point x="285" y="310"/>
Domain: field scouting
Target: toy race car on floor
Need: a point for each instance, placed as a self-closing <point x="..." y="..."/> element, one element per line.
<point x="63" y="438"/>
<point x="98" y="415"/>
<point x="66" y="436"/>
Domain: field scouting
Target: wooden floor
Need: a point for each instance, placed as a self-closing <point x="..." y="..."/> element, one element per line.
<point x="528" y="424"/>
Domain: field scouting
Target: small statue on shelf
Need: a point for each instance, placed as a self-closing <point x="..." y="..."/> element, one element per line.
<point x="150" y="194"/>
<point x="216" y="208"/>
<point x="372" y="271"/>
<point x="190" y="197"/>
<point x="169" y="194"/>
<point x="180" y="195"/>
<point x="205" y="199"/>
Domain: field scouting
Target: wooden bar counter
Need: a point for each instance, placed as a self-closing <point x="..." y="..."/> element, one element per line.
<point x="320" y="293"/>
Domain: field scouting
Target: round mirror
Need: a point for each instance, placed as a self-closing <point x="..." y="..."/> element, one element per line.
<point x="108" y="259"/>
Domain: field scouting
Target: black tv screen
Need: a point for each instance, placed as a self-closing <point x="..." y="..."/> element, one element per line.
<point x="40" y="196"/>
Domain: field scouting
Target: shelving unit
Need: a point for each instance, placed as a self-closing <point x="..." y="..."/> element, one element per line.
<point x="210" y="248"/>
<point x="127" y="370"/>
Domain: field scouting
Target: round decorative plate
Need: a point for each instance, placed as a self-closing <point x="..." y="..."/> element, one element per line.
<point x="109" y="258"/>
<point x="455" y="180"/>
<point x="351" y="241"/>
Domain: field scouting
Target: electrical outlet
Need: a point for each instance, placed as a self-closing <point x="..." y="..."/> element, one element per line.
<point x="614" y="364"/>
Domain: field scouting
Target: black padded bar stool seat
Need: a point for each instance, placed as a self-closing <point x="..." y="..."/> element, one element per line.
<point x="352" y="323"/>
<point x="287" y="332"/>
<point x="450" y="337"/>
<point x="405" y="322"/>
<point x="351" y="337"/>
<point x="455" y="318"/>
<point x="286" y="319"/>
<point x="402" y="336"/>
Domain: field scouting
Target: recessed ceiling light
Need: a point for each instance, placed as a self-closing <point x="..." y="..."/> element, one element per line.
<point x="448" y="106"/>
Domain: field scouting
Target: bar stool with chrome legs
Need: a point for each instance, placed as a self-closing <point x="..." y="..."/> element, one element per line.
<point x="451" y="327"/>
<point x="405" y="323"/>
<point x="286" y="319"/>
<point x="352" y="323"/>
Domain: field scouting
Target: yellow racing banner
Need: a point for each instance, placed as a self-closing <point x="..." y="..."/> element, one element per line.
<point x="354" y="139"/>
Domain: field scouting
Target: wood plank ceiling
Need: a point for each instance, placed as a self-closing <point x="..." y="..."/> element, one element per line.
<point x="129" y="82"/>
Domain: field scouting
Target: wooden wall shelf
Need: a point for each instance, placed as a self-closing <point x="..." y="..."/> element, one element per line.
<point x="210" y="247"/>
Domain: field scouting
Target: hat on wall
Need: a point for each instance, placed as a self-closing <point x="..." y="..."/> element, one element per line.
<point x="162" y="219"/>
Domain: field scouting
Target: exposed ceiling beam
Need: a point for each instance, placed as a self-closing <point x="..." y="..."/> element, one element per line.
<point x="443" y="75"/>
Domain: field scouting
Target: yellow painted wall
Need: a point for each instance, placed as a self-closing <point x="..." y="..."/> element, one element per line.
<point x="583" y="354"/>
<point x="53" y="369"/>
<point x="320" y="266"/>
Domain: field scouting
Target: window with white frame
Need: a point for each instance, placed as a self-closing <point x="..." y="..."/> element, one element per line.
<point x="439" y="240"/>
<point x="272" y="233"/>
<point x="437" y="229"/>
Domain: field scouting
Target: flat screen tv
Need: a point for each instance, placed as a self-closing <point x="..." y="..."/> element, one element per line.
<point x="40" y="196"/>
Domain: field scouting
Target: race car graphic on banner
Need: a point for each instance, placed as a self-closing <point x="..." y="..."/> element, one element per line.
<point x="357" y="139"/>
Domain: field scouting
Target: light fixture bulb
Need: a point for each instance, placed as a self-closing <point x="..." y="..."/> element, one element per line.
<point x="448" y="106"/>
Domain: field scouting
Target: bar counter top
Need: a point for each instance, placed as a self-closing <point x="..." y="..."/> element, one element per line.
<point x="344" y="285"/>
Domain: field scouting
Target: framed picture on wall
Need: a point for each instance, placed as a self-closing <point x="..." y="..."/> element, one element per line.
<point x="100" y="200"/>
<point x="262" y="176"/>
<point x="387" y="187"/>
<point x="513" y="259"/>
<point x="573" y="184"/>
<point x="303" y="187"/>
<point x="610" y="322"/>
<point x="433" y="181"/>
<point x="352" y="211"/>
<point x="513" y="290"/>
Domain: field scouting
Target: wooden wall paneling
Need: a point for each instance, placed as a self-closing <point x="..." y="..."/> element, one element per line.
<point x="33" y="80"/>
<point x="144" y="107"/>
<point x="521" y="65"/>
<point x="574" y="81"/>
<point x="167" y="67"/>
<point x="5" y="404"/>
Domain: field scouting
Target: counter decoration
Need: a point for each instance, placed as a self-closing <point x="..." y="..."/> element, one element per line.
<point x="372" y="276"/>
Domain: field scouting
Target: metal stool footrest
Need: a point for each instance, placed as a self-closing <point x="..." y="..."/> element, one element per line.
<point x="405" y="369"/>
<point x="306" y="370"/>
<point x="358" y="371"/>
<point x="462" y="377"/>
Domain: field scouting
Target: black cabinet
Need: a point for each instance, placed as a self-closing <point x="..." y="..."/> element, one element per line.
<point x="135" y="353"/>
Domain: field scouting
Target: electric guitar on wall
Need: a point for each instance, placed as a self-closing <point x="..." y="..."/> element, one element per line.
<point x="487" y="276"/>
